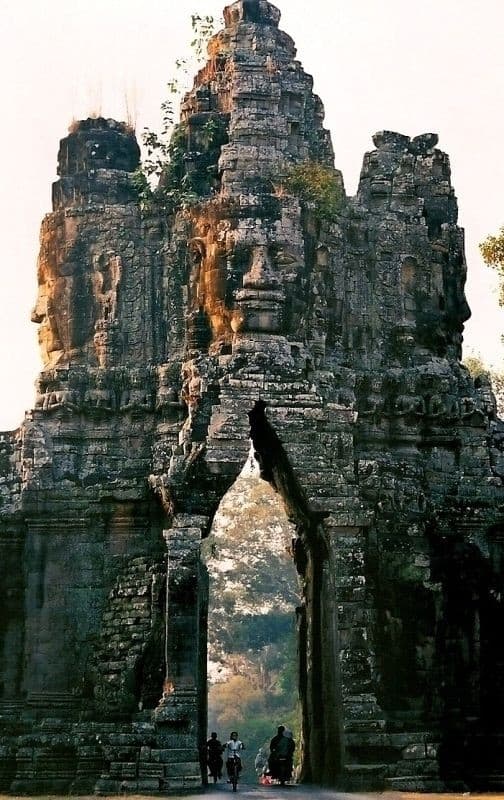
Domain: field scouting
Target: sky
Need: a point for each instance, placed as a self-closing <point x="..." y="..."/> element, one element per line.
<point x="377" y="64"/>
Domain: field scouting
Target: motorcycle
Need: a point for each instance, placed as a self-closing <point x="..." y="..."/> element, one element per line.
<point x="234" y="770"/>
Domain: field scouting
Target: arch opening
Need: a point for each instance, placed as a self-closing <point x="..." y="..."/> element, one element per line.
<point x="319" y="684"/>
<point x="313" y="661"/>
<point x="254" y="602"/>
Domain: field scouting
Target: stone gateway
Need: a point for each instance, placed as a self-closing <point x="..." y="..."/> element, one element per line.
<point x="328" y="330"/>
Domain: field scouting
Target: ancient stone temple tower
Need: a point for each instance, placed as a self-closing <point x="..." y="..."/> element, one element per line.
<point x="330" y="335"/>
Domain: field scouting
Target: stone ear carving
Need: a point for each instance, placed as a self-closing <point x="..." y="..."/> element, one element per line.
<point x="106" y="279"/>
<point x="197" y="249"/>
<point x="196" y="252"/>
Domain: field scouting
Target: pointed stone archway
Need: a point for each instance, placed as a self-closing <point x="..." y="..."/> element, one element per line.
<point x="253" y="618"/>
<point x="324" y="544"/>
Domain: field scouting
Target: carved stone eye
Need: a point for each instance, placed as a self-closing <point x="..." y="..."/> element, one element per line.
<point x="284" y="259"/>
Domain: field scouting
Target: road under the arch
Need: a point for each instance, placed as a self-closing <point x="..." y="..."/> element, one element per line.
<point x="255" y="792"/>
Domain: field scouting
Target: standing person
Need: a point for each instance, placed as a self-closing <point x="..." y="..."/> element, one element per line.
<point x="233" y="748"/>
<point x="273" y="756"/>
<point x="261" y="761"/>
<point x="214" y="750"/>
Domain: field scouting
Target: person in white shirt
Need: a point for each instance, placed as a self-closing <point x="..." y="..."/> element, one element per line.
<point x="232" y="749"/>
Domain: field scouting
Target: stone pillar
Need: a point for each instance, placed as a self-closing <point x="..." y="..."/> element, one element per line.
<point x="183" y="544"/>
<point x="12" y="616"/>
<point x="357" y="716"/>
<point x="184" y="690"/>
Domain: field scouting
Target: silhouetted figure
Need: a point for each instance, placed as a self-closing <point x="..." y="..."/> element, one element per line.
<point x="282" y="748"/>
<point x="272" y="760"/>
<point x="214" y="750"/>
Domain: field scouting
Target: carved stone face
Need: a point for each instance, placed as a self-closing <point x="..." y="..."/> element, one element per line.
<point x="65" y="307"/>
<point x="261" y="299"/>
<point x="239" y="272"/>
<point x="43" y="314"/>
<point x="460" y="307"/>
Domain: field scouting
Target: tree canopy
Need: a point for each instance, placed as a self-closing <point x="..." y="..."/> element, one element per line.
<point x="492" y="250"/>
<point x="478" y="368"/>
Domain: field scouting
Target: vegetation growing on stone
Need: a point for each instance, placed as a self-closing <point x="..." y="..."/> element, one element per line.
<point x="165" y="180"/>
<point x="481" y="372"/>
<point x="317" y="186"/>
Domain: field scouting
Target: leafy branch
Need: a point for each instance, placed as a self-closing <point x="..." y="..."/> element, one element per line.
<point x="316" y="185"/>
<point x="161" y="181"/>
<point x="492" y="251"/>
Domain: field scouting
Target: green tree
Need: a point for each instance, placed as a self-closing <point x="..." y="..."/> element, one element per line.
<point x="161" y="180"/>
<point x="479" y="370"/>
<point x="252" y="634"/>
<point x="317" y="185"/>
<point x="475" y="365"/>
<point x="492" y="250"/>
<point x="237" y="700"/>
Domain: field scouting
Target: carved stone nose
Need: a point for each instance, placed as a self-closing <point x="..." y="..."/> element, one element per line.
<point x="261" y="274"/>
<point x="36" y="315"/>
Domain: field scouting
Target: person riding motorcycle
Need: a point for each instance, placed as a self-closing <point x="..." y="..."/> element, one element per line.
<point x="233" y="747"/>
<point x="282" y="748"/>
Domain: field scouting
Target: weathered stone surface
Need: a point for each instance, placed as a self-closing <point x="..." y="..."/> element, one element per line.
<point x="334" y="343"/>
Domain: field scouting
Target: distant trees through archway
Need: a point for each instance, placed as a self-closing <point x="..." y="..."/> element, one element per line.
<point x="254" y="591"/>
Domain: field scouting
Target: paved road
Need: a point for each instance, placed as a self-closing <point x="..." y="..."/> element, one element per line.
<point x="249" y="792"/>
<point x="223" y="791"/>
<point x="283" y="793"/>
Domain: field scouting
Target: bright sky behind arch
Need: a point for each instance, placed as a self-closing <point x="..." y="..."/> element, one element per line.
<point x="377" y="64"/>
